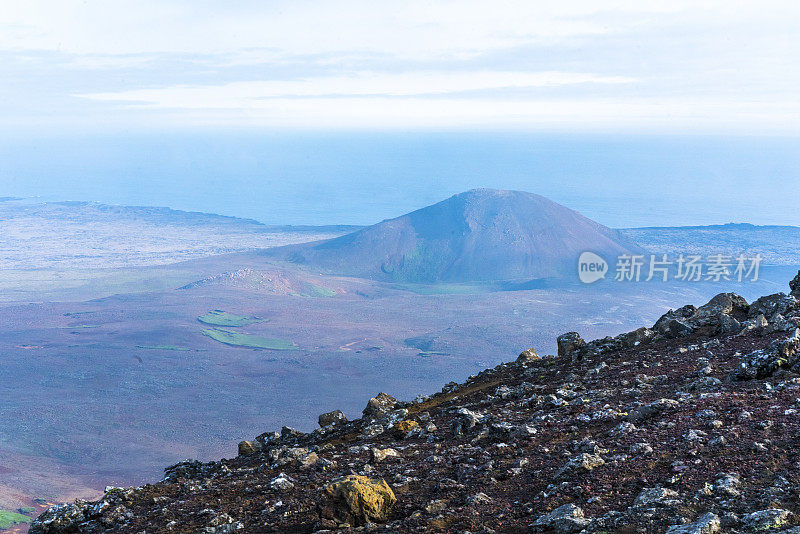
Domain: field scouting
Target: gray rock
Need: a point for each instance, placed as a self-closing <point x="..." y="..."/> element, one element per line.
<point x="566" y="519"/>
<point x="583" y="463"/>
<point x="658" y="496"/>
<point x="641" y="448"/>
<point x="569" y="344"/>
<point x="727" y="484"/>
<point x="60" y="519"/>
<point x="379" y="455"/>
<point x="379" y="405"/>
<point x="724" y="303"/>
<point x="281" y="483"/>
<point x="794" y="286"/>
<point x="466" y="421"/>
<point x="332" y="418"/>
<point x="707" y="524"/>
<point x="648" y="411"/>
<point x="768" y="306"/>
<point x="728" y="324"/>
<point x="764" y="362"/>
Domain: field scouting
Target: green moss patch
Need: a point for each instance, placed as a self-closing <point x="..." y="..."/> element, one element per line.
<point x="9" y="519"/>
<point x="238" y="339"/>
<point x="163" y="347"/>
<point x="223" y="318"/>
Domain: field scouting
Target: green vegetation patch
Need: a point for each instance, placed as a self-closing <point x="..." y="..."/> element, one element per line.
<point x="223" y="318"/>
<point x="9" y="519"/>
<point x="443" y="288"/>
<point x="238" y="339"/>
<point x="163" y="347"/>
<point x="315" y="291"/>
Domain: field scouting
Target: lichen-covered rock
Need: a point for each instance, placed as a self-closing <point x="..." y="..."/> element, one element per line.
<point x="358" y="500"/>
<point x="765" y="520"/>
<point x="281" y="483"/>
<point x="249" y="447"/>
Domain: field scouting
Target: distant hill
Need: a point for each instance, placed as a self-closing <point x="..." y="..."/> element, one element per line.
<point x="779" y="245"/>
<point x="480" y="235"/>
<point x="88" y="235"/>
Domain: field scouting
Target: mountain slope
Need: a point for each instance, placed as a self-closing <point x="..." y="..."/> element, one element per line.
<point x="690" y="426"/>
<point x="479" y="235"/>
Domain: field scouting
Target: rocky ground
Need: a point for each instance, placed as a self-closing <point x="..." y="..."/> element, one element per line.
<point x="691" y="426"/>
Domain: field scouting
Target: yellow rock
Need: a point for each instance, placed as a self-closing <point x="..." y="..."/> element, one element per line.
<point x="249" y="447"/>
<point x="402" y="428"/>
<point x="528" y="356"/>
<point x="359" y="500"/>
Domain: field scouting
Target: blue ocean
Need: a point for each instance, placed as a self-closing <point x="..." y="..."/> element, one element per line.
<point x="364" y="177"/>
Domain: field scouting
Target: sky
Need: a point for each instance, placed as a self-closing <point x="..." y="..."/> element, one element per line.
<point x="671" y="67"/>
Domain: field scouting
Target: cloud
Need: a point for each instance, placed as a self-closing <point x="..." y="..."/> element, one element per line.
<point x="247" y="94"/>
<point x="177" y="61"/>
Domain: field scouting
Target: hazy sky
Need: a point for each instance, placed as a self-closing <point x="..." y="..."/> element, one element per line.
<point x="675" y="66"/>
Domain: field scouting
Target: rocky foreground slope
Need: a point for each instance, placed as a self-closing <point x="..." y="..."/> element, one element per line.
<point x="692" y="426"/>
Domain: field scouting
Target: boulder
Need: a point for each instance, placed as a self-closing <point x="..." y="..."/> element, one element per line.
<point x="331" y="418"/>
<point x="569" y="344"/>
<point x="728" y="324"/>
<point x="724" y="303"/>
<point x="673" y="323"/>
<point x="379" y="405"/>
<point x="637" y="337"/>
<point x="528" y="356"/>
<point x="762" y="363"/>
<point x="769" y="305"/>
<point x="794" y="286"/>
<point x="675" y="328"/>
<point x="247" y="448"/>
<point x="358" y="500"/>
